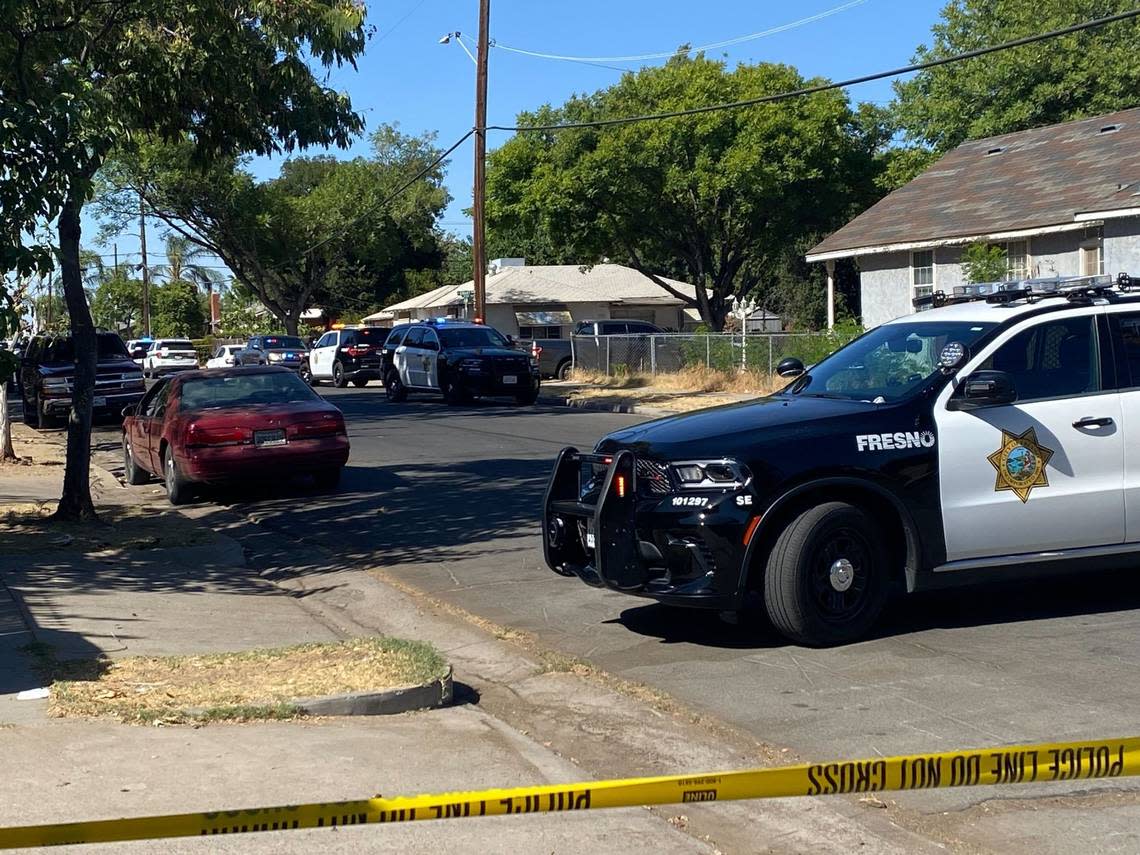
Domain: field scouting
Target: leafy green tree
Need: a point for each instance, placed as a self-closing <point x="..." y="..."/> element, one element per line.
<point x="116" y="301"/>
<point x="325" y="232"/>
<point x="1071" y="77"/>
<point x="984" y="263"/>
<point x="176" y="310"/>
<point x="241" y="319"/>
<point x="78" y="79"/>
<point x="713" y="199"/>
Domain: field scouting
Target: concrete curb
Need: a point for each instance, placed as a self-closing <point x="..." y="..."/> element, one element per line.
<point x="437" y="693"/>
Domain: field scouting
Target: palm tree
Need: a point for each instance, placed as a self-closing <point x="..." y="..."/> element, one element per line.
<point x="183" y="264"/>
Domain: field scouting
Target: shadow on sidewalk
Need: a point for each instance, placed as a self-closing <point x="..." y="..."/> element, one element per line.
<point x="24" y="644"/>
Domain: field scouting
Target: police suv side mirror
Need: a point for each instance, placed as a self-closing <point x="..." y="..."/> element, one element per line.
<point x="985" y="389"/>
<point x="790" y="367"/>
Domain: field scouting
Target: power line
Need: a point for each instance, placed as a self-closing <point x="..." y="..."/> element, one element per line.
<point x="595" y="60"/>
<point x="824" y="87"/>
<point x="459" y="38"/>
<point x="393" y="28"/>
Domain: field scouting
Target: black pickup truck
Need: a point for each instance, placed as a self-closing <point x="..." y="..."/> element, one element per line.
<point x="47" y="369"/>
<point x="556" y="357"/>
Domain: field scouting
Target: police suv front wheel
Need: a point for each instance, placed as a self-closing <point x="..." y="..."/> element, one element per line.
<point x="394" y="387"/>
<point x="826" y="578"/>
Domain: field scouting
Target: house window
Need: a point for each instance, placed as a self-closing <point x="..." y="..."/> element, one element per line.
<point x="922" y="273"/>
<point x="540" y="332"/>
<point x="1092" y="253"/>
<point x="1017" y="260"/>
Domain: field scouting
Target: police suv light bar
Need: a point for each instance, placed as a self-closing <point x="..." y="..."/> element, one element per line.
<point x="1071" y="287"/>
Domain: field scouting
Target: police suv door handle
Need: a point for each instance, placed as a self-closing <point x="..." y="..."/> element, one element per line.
<point x="1090" y="422"/>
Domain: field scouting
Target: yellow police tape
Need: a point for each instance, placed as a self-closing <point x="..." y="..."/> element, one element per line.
<point x="1019" y="764"/>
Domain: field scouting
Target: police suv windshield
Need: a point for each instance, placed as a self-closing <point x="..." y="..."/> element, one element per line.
<point x="888" y="363"/>
<point x="472" y="337"/>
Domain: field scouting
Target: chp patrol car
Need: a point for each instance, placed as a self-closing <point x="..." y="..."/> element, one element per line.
<point x="982" y="439"/>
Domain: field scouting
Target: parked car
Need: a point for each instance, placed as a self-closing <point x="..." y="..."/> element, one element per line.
<point x="350" y="355"/>
<point x="556" y="355"/>
<point x="459" y="359"/>
<point x="169" y="356"/>
<point x="137" y="348"/>
<point x="224" y="356"/>
<point x="288" y="351"/>
<point x="47" y="372"/>
<point x="230" y="424"/>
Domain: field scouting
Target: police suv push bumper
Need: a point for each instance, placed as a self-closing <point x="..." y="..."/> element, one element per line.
<point x="683" y="549"/>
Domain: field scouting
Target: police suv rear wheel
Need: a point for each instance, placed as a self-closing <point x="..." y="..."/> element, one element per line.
<point x="826" y="578"/>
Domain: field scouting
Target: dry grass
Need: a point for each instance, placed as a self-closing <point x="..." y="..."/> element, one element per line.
<point x="695" y="380"/>
<point x="690" y="389"/>
<point x="28" y="529"/>
<point x="254" y="684"/>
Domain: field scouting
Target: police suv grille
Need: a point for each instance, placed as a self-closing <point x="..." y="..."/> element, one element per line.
<point x="652" y="478"/>
<point x="506" y="366"/>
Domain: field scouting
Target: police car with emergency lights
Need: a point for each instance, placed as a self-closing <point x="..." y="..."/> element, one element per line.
<point x="459" y="359"/>
<point x="984" y="438"/>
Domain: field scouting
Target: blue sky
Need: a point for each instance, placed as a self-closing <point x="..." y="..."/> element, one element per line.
<point x="406" y="76"/>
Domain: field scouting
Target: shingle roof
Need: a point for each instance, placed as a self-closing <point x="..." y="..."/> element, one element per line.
<point x="1025" y="180"/>
<point x="566" y="283"/>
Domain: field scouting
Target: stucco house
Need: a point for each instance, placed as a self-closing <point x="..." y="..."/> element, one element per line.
<point x="1062" y="200"/>
<point x="546" y="301"/>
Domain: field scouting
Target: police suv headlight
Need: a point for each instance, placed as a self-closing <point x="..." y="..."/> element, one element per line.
<point x="710" y="474"/>
<point x="276" y="357"/>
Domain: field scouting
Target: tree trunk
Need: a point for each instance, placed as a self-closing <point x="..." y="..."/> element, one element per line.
<point x="292" y="322"/>
<point x="75" y="503"/>
<point x="7" y="452"/>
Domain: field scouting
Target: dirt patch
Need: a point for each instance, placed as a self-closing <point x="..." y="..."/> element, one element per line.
<point x="250" y="685"/>
<point x="38" y="449"/>
<point x="28" y="529"/>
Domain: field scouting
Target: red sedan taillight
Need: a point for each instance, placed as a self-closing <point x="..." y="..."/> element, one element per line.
<point x="200" y="435"/>
<point x="326" y="425"/>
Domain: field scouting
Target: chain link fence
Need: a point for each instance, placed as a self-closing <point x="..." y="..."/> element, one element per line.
<point x="668" y="353"/>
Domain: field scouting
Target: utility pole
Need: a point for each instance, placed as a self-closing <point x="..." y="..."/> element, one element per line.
<point x="479" y="236"/>
<point x="145" y="271"/>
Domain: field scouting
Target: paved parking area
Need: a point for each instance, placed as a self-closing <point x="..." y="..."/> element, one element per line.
<point x="447" y="499"/>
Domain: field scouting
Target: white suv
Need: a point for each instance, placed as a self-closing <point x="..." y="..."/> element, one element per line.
<point x="168" y="356"/>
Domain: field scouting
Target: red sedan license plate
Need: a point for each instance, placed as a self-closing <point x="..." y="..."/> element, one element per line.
<point x="268" y="437"/>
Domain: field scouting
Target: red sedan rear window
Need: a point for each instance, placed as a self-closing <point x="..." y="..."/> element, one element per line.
<point x="244" y="390"/>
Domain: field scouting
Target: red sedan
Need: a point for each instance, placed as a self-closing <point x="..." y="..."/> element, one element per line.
<point x="232" y="424"/>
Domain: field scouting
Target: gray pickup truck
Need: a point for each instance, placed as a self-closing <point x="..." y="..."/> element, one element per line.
<point x="555" y="358"/>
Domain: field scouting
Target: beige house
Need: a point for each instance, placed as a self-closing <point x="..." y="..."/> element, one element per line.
<point x="546" y="301"/>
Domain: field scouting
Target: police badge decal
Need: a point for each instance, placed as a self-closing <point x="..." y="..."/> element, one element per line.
<point x="1020" y="463"/>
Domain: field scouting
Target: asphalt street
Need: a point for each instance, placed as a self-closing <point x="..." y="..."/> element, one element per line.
<point x="448" y="499"/>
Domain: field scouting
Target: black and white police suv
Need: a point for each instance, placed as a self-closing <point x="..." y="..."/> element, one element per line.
<point x="981" y="439"/>
<point x="459" y="359"/>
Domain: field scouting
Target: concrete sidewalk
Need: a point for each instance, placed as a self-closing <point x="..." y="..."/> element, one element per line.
<point x="206" y="598"/>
